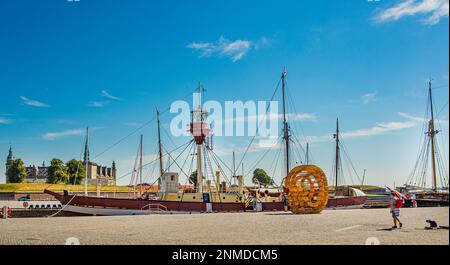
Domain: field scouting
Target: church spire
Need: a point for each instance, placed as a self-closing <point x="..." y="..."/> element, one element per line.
<point x="10" y="155"/>
<point x="86" y="147"/>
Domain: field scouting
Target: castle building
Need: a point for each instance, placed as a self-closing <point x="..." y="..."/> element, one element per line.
<point x="96" y="174"/>
<point x="36" y="174"/>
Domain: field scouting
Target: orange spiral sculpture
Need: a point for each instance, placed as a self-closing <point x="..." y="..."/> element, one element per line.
<point x="307" y="189"/>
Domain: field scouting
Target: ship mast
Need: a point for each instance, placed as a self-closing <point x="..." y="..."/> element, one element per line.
<point x="199" y="130"/>
<point x="161" y="169"/>
<point x="285" y="124"/>
<point x="307" y="153"/>
<point x="336" y="167"/>
<point x="431" y="133"/>
<point x="140" y="168"/>
<point x="86" y="162"/>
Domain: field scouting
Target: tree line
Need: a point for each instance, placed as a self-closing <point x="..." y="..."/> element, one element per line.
<point x="71" y="172"/>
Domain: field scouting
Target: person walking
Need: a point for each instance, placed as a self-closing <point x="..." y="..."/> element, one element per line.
<point x="285" y="200"/>
<point x="396" y="204"/>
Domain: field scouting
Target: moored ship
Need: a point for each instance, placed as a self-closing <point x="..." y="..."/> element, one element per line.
<point x="417" y="189"/>
<point x="343" y="196"/>
<point x="206" y="196"/>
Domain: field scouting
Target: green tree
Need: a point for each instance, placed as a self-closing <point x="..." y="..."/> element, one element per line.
<point x="261" y="177"/>
<point x="16" y="171"/>
<point x="193" y="178"/>
<point x="75" y="171"/>
<point x="57" y="172"/>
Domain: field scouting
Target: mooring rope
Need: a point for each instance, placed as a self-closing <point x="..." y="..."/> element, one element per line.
<point x="64" y="207"/>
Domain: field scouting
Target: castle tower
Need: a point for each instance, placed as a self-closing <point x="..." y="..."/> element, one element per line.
<point x="114" y="170"/>
<point x="86" y="152"/>
<point x="9" y="161"/>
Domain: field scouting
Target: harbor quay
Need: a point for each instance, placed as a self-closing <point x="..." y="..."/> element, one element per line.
<point x="331" y="227"/>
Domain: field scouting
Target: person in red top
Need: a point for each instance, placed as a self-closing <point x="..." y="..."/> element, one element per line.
<point x="396" y="204"/>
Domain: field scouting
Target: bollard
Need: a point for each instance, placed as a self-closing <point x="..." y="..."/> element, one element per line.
<point x="5" y="212"/>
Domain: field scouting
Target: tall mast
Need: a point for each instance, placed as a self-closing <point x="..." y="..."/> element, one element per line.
<point x="431" y="134"/>
<point x="199" y="136"/>
<point x="140" y="168"/>
<point x="363" y="177"/>
<point x="86" y="161"/>
<point x="336" y="167"/>
<point x="161" y="169"/>
<point x="285" y="124"/>
<point x="234" y="167"/>
<point x="307" y="153"/>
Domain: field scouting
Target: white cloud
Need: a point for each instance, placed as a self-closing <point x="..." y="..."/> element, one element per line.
<point x="97" y="104"/>
<point x="4" y="120"/>
<point x="57" y="135"/>
<point x="31" y="102"/>
<point x="369" y="97"/>
<point x="433" y="10"/>
<point x="380" y="128"/>
<point x="419" y="119"/>
<point x="273" y="116"/>
<point x="236" y="50"/>
<point x="108" y="95"/>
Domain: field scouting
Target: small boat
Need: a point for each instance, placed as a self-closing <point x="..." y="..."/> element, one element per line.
<point x="347" y="197"/>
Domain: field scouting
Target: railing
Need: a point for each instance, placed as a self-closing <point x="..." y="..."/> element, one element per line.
<point x="155" y="207"/>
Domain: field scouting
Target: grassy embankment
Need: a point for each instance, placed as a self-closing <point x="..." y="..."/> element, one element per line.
<point x="37" y="188"/>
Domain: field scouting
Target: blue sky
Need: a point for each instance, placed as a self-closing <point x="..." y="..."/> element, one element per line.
<point x="108" y="64"/>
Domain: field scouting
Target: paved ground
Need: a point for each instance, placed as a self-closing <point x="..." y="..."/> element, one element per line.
<point x="329" y="227"/>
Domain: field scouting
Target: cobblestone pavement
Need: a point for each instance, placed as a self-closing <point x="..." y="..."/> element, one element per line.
<point x="329" y="227"/>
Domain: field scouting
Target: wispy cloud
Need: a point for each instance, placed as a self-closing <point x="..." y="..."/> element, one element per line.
<point x="4" y="120"/>
<point x="50" y="136"/>
<point x="97" y="104"/>
<point x="379" y="129"/>
<point x="419" y="119"/>
<point x="32" y="102"/>
<point x="109" y="96"/>
<point x="103" y="103"/>
<point x="369" y="97"/>
<point x="234" y="49"/>
<point x="273" y="116"/>
<point x="432" y="10"/>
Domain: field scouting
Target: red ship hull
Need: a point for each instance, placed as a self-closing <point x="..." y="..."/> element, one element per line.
<point x="81" y="205"/>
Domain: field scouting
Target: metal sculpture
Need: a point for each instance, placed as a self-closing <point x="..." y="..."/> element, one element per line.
<point x="307" y="189"/>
